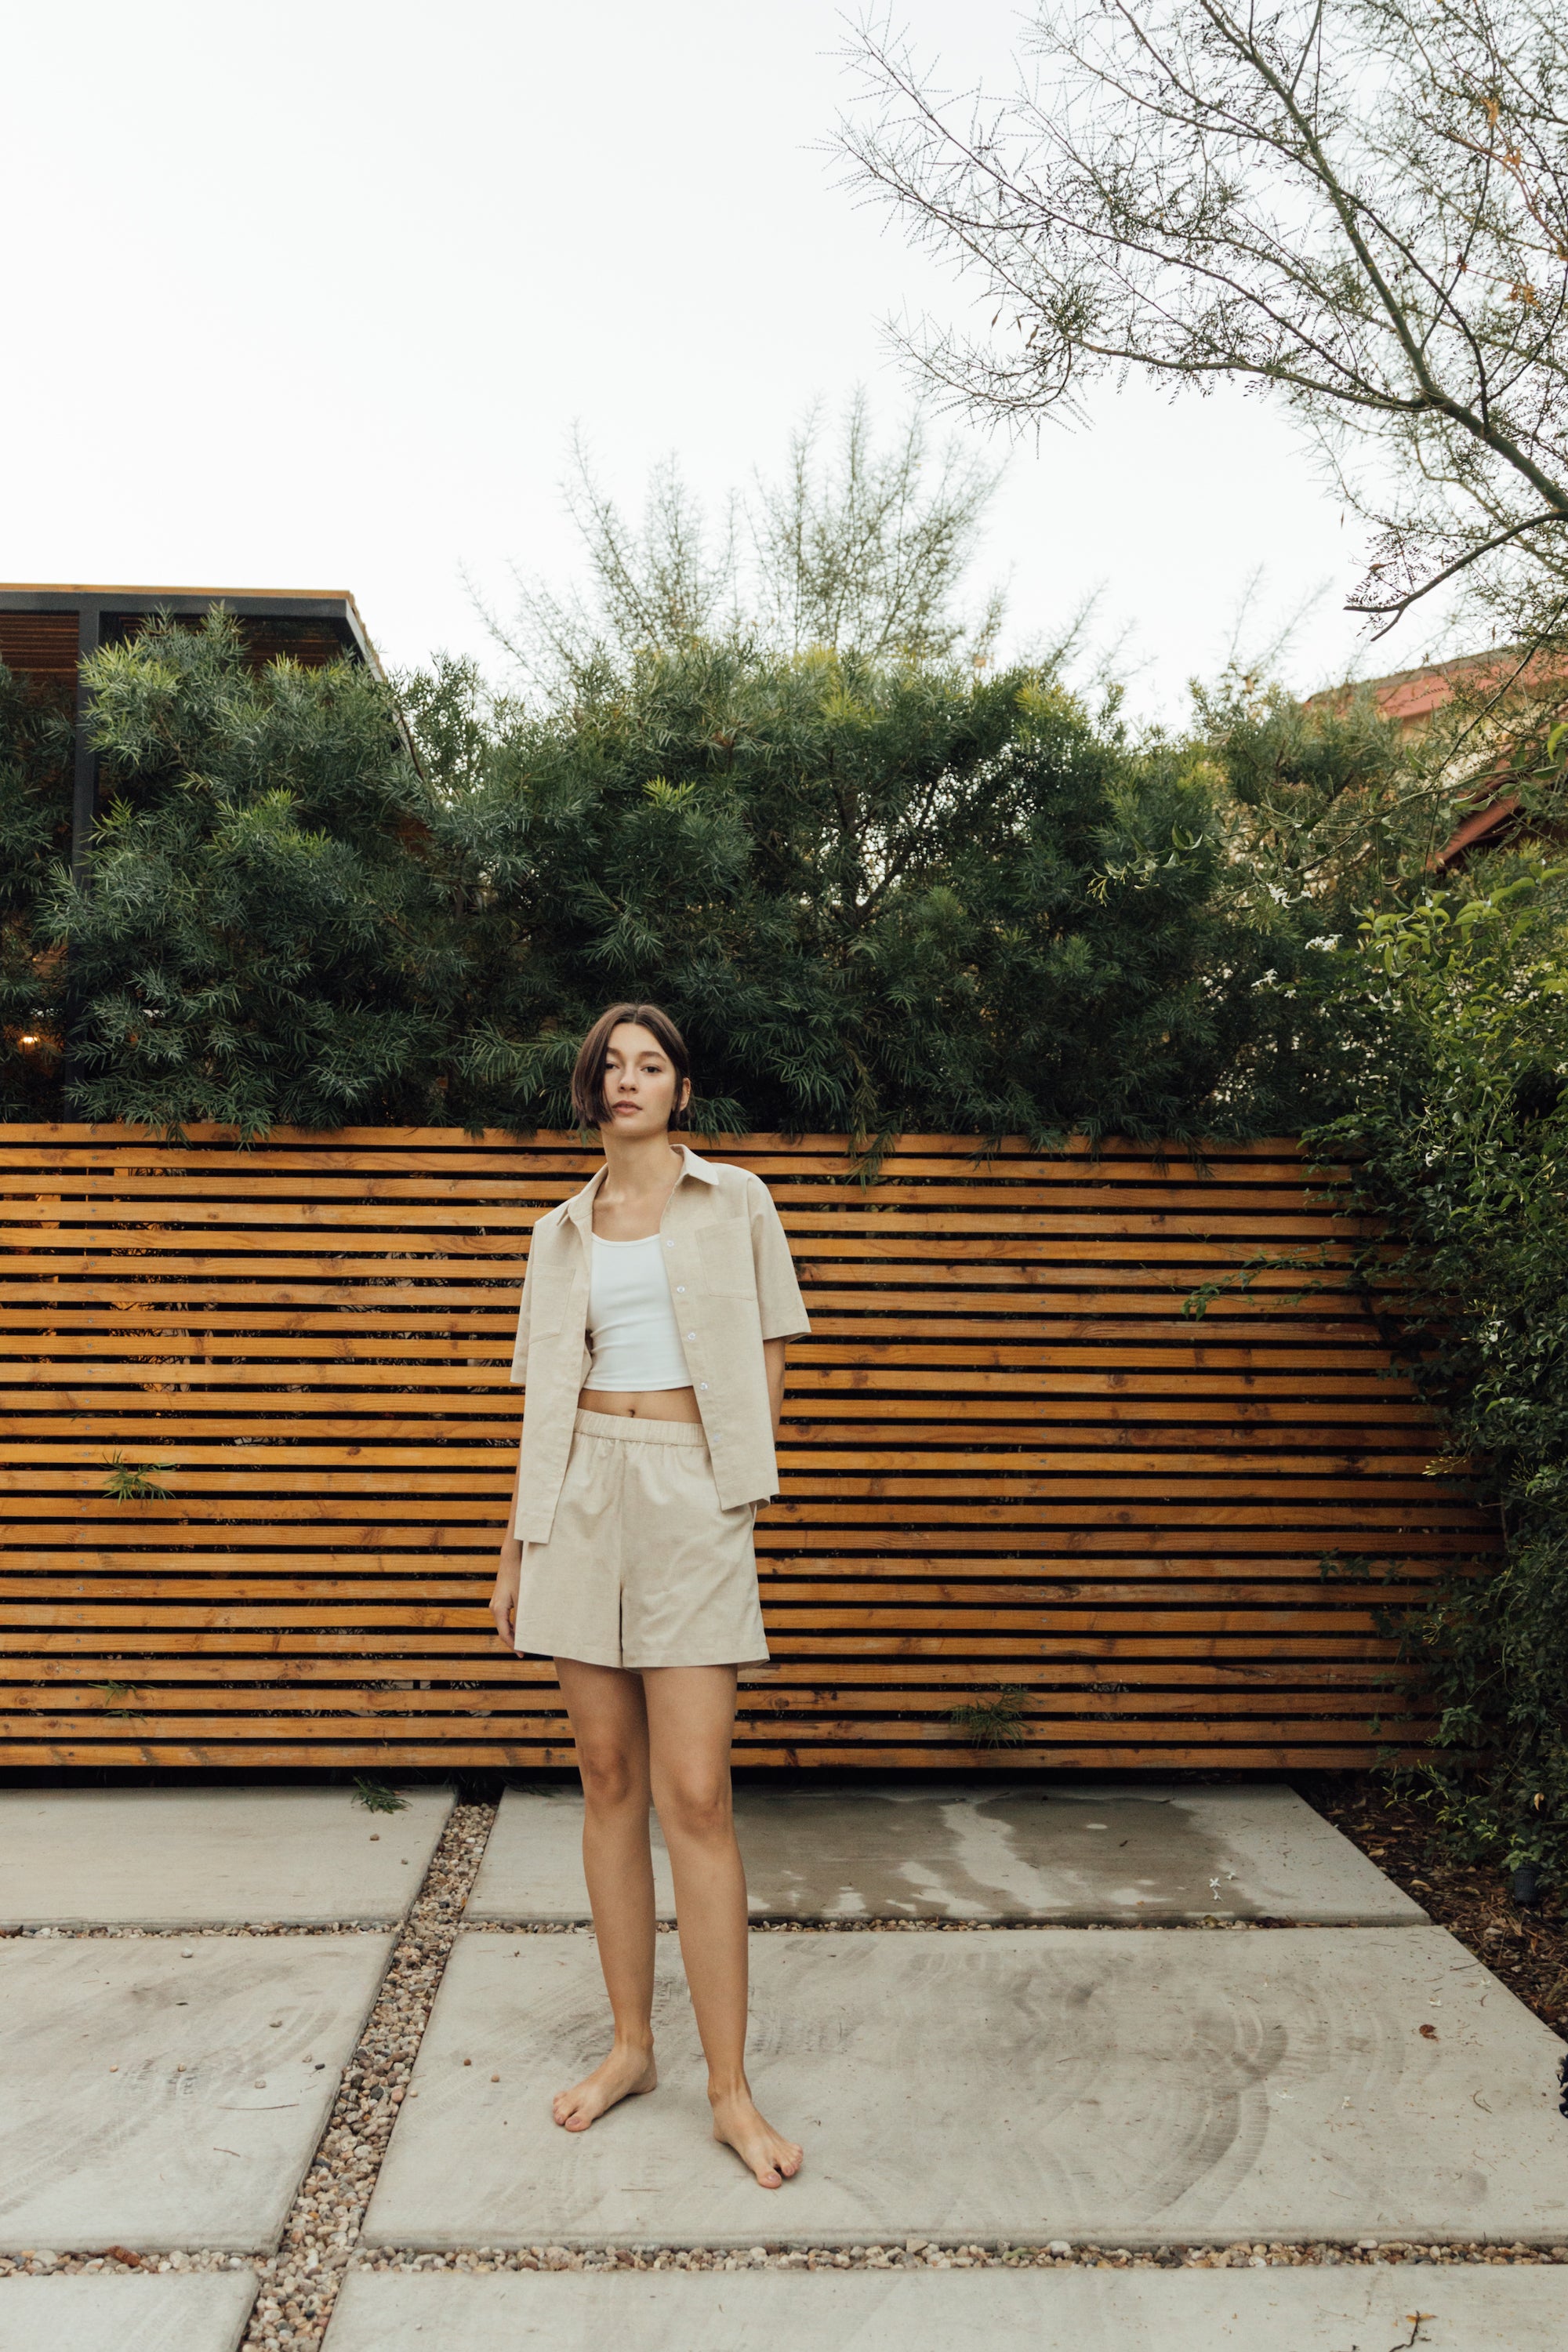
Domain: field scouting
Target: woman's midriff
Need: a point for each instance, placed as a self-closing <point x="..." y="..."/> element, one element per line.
<point x="641" y="1404"/>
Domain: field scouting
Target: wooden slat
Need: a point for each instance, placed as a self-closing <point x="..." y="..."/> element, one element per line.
<point x="868" y="1683"/>
<point x="86" y="1702"/>
<point x="1010" y="1460"/>
<point x="1196" y="1448"/>
<point x="34" y="1196"/>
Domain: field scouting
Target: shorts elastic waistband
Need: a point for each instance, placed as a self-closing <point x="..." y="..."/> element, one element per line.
<point x="631" y="1429"/>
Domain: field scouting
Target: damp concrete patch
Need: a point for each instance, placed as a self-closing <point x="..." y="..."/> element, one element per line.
<point x="1111" y="1855"/>
<point x="201" y="2314"/>
<point x="156" y="2094"/>
<point x="211" y="1858"/>
<point x="1124" y="2088"/>
<point x="1307" y="2310"/>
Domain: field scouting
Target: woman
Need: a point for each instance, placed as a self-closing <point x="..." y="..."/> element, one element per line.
<point x="655" y="1313"/>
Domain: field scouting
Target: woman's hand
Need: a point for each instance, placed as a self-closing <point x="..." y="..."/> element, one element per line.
<point x="503" y="1598"/>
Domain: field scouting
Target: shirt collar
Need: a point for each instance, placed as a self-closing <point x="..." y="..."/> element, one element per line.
<point x="580" y="1207"/>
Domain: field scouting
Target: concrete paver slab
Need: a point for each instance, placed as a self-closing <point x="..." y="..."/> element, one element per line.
<point x="205" y="2313"/>
<point x="1307" y="2310"/>
<point x="211" y="1858"/>
<point x="1028" y="2084"/>
<point x="155" y="2094"/>
<point x="963" y="1852"/>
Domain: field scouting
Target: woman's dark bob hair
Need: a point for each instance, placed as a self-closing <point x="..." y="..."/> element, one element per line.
<point x="588" y="1076"/>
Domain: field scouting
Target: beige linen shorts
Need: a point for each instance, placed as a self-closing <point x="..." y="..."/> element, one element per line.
<point x="643" y="1567"/>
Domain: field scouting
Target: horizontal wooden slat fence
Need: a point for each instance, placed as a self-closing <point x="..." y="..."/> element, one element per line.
<point x="1011" y="1462"/>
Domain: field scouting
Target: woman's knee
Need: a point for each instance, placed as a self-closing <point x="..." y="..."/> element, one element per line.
<point x="612" y="1777"/>
<point x="697" y="1810"/>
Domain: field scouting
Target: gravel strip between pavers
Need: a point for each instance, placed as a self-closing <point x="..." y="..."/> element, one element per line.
<point x="299" y="2286"/>
<point x="925" y="2253"/>
<point x="300" y="2283"/>
<point x="838" y="1926"/>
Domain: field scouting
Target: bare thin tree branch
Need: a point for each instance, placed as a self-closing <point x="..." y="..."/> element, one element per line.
<point x="1359" y="206"/>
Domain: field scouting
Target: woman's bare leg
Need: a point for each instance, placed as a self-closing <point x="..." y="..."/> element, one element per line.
<point x="691" y="1715"/>
<point x="609" y="1725"/>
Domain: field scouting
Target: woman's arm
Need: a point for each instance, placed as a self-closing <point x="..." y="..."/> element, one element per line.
<point x="508" y="1567"/>
<point x="773" y="1354"/>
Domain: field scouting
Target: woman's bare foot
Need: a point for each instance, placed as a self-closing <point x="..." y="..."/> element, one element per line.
<point x="737" y="2124"/>
<point x="624" y="2076"/>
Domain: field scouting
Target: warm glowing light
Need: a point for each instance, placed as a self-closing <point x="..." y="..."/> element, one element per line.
<point x="29" y="1041"/>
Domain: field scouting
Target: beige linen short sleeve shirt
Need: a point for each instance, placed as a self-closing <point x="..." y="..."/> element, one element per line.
<point x="733" y="1284"/>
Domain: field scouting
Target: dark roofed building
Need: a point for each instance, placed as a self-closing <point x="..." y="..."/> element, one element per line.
<point x="46" y="632"/>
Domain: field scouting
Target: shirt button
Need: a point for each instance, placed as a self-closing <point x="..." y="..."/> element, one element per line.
<point x="670" y="1246"/>
<point x="680" y="1291"/>
<point x="701" y="1384"/>
<point x="691" y="1335"/>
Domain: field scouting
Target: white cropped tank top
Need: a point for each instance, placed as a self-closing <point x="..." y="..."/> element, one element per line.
<point x="631" y="1318"/>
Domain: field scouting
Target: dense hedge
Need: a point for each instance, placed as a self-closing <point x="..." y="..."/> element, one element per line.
<point x="876" y="897"/>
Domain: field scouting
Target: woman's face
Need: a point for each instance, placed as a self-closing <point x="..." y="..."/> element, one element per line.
<point x="639" y="1082"/>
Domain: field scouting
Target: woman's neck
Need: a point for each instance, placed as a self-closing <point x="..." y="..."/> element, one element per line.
<point x="639" y="1167"/>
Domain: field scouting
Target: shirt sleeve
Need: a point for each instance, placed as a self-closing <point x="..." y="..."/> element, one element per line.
<point x="520" y="1350"/>
<point x="779" y="1302"/>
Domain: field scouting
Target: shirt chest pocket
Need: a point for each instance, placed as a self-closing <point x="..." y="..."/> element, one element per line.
<point x="724" y="1253"/>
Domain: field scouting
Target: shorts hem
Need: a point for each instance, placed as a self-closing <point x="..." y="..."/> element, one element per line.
<point x="742" y="1665"/>
<point x="578" y="1657"/>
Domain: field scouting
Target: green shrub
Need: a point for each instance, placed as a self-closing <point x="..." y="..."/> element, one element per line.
<point x="876" y="896"/>
<point x="263" y="940"/>
<point x="1454" y="1012"/>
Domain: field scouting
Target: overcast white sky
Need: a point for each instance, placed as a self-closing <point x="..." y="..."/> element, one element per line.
<point x="311" y="296"/>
